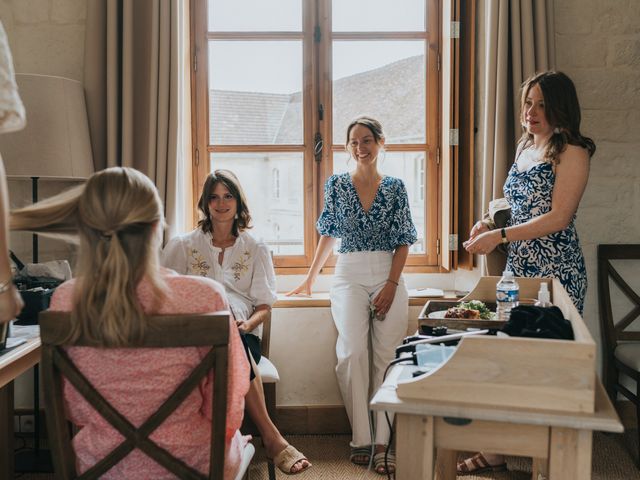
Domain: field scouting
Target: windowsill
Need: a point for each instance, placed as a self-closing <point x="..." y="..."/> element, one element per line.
<point x="458" y="281"/>
<point x="321" y="300"/>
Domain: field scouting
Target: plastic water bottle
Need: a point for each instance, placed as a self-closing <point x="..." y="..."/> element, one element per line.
<point x="507" y="295"/>
<point x="544" y="297"/>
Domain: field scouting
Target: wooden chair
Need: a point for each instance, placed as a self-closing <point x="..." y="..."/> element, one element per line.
<point x="163" y="332"/>
<point x="620" y="348"/>
<point x="268" y="371"/>
<point x="269" y="375"/>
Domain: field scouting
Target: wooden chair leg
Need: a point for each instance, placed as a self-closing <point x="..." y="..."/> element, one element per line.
<point x="637" y="402"/>
<point x="270" y="400"/>
<point x="272" y="471"/>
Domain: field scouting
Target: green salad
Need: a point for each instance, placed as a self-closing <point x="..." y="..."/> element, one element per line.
<point x="485" y="313"/>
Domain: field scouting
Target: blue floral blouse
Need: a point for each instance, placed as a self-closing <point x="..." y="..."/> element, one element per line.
<point x="386" y="225"/>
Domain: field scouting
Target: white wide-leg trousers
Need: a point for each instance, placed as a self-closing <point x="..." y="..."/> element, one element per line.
<point x="359" y="276"/>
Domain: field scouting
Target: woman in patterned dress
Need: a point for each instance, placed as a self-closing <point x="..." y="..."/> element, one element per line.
<point x="544" y="188"/>
<point x="369" y="212"/>
<point x="221" y="248"/>
<point x="117" y="216"/>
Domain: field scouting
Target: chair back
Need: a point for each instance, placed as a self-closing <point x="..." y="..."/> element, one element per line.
<point x="165" y="331"/>
<point x="613" y="331"/>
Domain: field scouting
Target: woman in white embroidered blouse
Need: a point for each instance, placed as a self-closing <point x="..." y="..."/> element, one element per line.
<point x="220" y="248"/>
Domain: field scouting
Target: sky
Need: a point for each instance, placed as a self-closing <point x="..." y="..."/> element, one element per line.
<point x="259" y="66"/>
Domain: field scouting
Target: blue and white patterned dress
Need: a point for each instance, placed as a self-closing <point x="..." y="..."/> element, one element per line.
<point x="555" y="255"/>
<point x="384" y="227"/>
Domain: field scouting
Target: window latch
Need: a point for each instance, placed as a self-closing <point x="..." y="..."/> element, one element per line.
<point x="318" y="145"/>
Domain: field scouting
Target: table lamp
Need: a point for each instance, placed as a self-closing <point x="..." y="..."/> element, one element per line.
<point x="54" y="145"/>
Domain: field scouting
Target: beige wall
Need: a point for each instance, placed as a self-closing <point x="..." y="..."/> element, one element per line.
<point x="46" y="36"/>
<point x="598" y="46"/>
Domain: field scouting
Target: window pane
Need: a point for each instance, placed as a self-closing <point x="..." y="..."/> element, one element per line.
<point x="272" y="183"/>
<point x="377" y="15"/>
<point x="255" y="97"/>
<point x="255" y="15"/>
<point x="385" y="80"/>
<point x="410" y="167"/>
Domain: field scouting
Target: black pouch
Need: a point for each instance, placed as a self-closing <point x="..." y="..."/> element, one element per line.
<point x="36" y="293"/>
<point x="538" y="322"/>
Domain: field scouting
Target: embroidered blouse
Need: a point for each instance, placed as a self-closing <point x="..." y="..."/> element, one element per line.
<point x="246" y="271"/>
<point x="136" y="381"/>
<point x="386" y="225"/>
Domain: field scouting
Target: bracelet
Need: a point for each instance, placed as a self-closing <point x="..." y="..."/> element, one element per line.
<point x="503" y="232"/>
<point x="6" y="286"/>
<point x="393" y="281"/>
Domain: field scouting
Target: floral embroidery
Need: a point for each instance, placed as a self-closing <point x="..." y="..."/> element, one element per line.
<point x="241" y="266"/>
<point x="199" y="265"/>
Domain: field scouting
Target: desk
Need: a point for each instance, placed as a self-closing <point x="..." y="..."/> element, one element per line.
<point x="12" y="364"/>
<point x="559" y="442"/>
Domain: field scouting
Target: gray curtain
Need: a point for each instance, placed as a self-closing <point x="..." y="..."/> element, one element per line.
<point x="134" y="80"/>
<point x="514" y="41"/>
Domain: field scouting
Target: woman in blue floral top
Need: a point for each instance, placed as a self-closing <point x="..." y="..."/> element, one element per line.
<point x="369" y="212"/>
<point x="221" y="248"/>
<point x="543" y="188"/>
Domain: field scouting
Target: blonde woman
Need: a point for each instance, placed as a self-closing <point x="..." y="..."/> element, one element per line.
<point x="117" y="216"/>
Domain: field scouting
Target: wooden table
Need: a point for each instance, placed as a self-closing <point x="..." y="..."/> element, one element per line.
<point x="12" y="364"/>
<point x="559" y="442"/>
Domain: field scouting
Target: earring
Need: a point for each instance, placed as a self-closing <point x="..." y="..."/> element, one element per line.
<point x="556" y="130"/>
<point x="235" y="217"/>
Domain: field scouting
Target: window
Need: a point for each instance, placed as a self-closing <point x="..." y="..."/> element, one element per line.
<point x="276" y="82"/>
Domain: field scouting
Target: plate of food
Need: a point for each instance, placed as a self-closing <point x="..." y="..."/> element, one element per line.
<point x="472" y="310"/>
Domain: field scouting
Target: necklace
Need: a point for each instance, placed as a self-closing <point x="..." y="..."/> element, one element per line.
<point x="225" y="243"/>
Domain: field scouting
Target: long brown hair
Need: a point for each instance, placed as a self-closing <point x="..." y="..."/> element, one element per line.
<point x="231" y="182"/>
<point x="562" y="111"/>
<point x="117" y="216"/>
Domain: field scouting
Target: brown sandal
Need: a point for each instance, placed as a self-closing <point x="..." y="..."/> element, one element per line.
<point x="287" y="458"/>
<point x="478" y="464"/>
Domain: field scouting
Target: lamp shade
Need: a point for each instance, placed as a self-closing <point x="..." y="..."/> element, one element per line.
<point x="55" y="142"/>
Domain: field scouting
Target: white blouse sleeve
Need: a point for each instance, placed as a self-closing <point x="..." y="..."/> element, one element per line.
<point x="174" y="256"/>
<point x="263" y="283"/>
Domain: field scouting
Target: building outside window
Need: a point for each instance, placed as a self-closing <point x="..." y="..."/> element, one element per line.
<point x="283" y="81"/>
